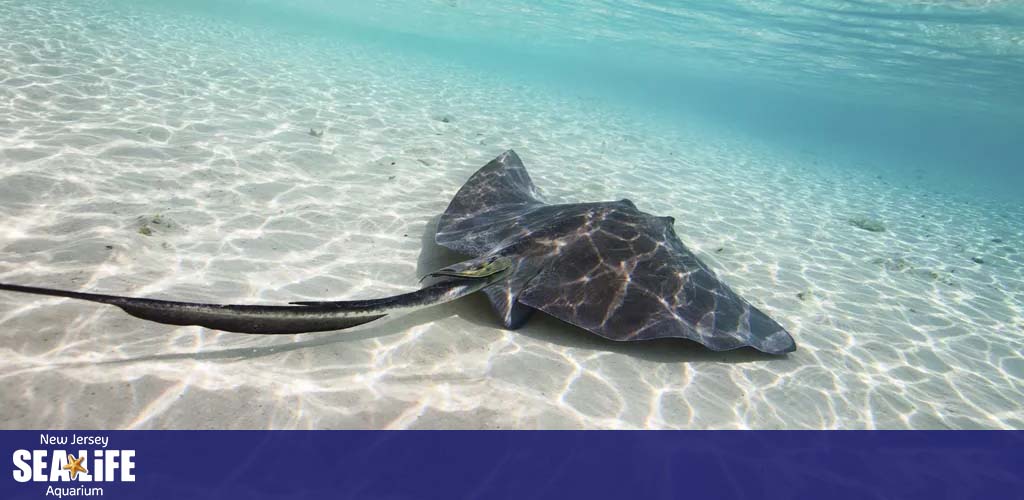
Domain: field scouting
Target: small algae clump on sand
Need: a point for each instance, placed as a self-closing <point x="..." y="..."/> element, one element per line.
<point x="895" y="263"/>
<point x="873" y="225"/>
<point x="900" y="264"/>
<point x="941" y="276"/>
<point x="146" y="225"/>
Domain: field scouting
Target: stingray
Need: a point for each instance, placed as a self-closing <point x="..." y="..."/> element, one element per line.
<point x="605" y="267"/>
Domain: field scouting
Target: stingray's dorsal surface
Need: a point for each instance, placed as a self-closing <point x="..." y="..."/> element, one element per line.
<point x="606" y="267"/>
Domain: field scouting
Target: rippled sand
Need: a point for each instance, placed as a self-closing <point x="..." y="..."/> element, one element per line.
<point x="166" y="156"/>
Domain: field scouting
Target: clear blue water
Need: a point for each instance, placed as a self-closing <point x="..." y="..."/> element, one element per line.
<point x="162" y="149"/>
<point x="926" y="90"/>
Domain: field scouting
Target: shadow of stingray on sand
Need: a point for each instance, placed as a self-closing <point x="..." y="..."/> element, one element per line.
<point x="474" y="309"/>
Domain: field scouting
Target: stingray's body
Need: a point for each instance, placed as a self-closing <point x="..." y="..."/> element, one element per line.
<point x="605" y="267"/>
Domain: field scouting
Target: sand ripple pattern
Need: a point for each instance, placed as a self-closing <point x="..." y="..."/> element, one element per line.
<point x="166" y="156"/>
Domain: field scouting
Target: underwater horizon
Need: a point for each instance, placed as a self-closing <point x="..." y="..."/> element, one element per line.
<point x="851" y="168"/>
<point x="930" y="92"/>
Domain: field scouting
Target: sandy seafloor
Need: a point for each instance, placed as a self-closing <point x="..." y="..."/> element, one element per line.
<point x="111" y="119"/>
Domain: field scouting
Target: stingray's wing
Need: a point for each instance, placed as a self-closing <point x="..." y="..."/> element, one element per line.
<point x="484" y="211"/>
<point x="626" y="276"/>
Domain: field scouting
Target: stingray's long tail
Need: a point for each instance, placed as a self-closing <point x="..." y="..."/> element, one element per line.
<point x="302" y="317"/>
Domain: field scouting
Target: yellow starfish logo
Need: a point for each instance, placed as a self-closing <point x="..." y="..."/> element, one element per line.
<point x="75" y="465"/>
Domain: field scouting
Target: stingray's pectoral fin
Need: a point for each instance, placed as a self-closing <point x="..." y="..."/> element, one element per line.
<point x="266" y="320"/>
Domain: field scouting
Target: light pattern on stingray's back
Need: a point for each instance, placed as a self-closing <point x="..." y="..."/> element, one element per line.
<point x="606" y="267"/>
